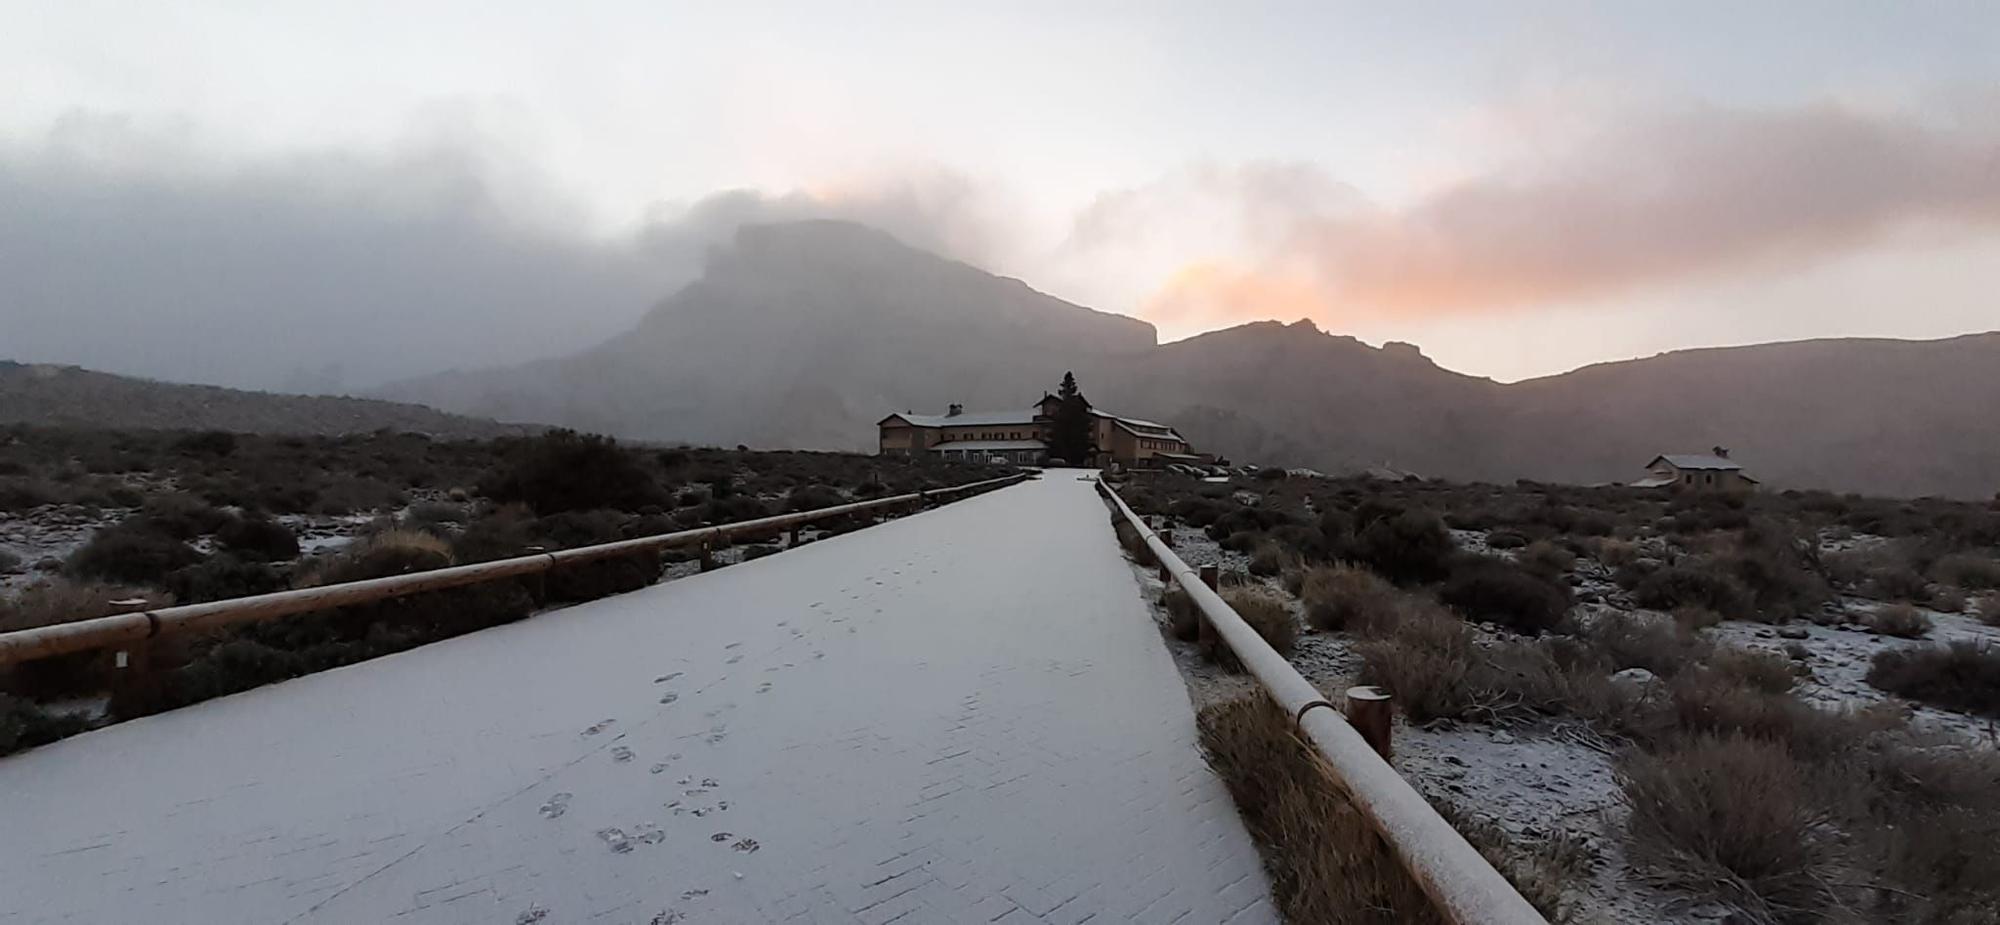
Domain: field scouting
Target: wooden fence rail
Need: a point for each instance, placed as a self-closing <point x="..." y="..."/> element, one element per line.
<point x="1465" y="888"/>
<point x="124" y="630"/>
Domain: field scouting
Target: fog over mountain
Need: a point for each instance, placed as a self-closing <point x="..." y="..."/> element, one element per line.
<point x="804" y="334"/>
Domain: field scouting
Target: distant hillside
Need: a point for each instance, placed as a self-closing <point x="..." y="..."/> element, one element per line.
<point x="1890" y="417"/>
<point x="805" y="334"/>
<point x="66" y="396"/>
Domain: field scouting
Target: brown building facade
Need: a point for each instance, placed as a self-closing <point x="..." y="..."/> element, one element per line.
<point x="1021" y="437"/>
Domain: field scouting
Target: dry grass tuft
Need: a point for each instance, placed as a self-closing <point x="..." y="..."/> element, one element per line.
<point x="1962" y="676"/>
<point x="1731" y="817"/>
<point x="1326" y="863"/>
<point x="1767" y="672"/>
<point x="1348" y="597"/>
<point x="1900" y="620"/>
<point x="1657" y="645"/>
<point x="1266" y="612"/>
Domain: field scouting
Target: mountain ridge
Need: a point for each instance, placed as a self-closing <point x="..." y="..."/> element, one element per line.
<point x="57" y="395"/>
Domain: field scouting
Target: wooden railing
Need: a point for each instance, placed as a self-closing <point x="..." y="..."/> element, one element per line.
<point x="1465" y="888"/>
<point x="129" y="629"/>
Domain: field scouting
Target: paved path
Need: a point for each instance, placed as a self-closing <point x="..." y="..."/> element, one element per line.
<point x="961" y="716"/>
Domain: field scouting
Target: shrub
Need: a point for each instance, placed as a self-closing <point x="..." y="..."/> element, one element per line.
<point x="733" y="508"/>
<point x="1970" y="571"/>
<point x="24" y="724"/>
<point x="216" y="443"/>
<point x="1506" y="538"/>
<point x="1988" y="610"/>
<point x="259" y="539"/>
<point x="435" y="517"/>
<point x="10" y="562"/>
<point x="1630" y="641"/>
<point x="1241" y="541"/>
<point x="1339" y="597"/>
<point x="1270" y="475"/>
<point x="1713" y="702"/>
<point x="1691" y="618"/>
<point x="1266" y="613"/>
<point x="1731" y="818"/>
<point x="1673" y="586"/>
<point x="1411" y="547"/>
<point x="565" y="471"/>
<point x="1901" y="620"/>
<point x="1772" y="563"/>
<point x="1546" y="559"/>
<point x="131" y="552"/>
<point x="1267" y="560"/>
<point x="1758" y="670"/>
<point x="500" y="534"/>
<point x="397" y="552"/>
<point x="1615" y="553"/>
<point x="1325" y="859"/>
<point x="223" y="577"/>
<point x="1497" y="591"/>
<point x="1435" y="666"/>
<point x="1962" y="676"/>
<point x="812" y="498"/>
<point x="181" y="516"/>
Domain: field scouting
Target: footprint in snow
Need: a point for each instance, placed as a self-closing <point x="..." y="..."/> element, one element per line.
<point x="747" y="846"/>
<point x="658" y="768"/>
<point x="662" y="679"/>
<point x="732" y="645"/>
<point x="533" y="915"/>
<point x="616" y="839"/>
<point x="721" y="837"/>
<point x="597" y="727"/>
<point x="732" y="660"/>
<point x="764" y="688"/>
<point x="650" y="834"/>
<point x="621" y="754"/>
<point x="556" y="806"/>
<point x="669" y="697"/>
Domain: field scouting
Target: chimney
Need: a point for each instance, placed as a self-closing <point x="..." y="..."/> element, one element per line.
<point x="1721" y="452"/>
<point x="955" y="410"/>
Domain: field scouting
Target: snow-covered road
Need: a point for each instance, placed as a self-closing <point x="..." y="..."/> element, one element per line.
<point x="960" y="716"/>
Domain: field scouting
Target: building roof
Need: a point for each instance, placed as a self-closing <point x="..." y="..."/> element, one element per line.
<point x="1658" y="481"/>
<point x="1137" y="426"/>
<point x="967" y="419"/>
<point x="990" y="445"/>
<point x="1695" y="461"/>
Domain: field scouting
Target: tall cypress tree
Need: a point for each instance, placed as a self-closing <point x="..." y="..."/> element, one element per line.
<point x="1069" y="437"/>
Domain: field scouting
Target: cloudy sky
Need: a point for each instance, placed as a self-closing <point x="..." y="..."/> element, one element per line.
<point x="334" y="195"/>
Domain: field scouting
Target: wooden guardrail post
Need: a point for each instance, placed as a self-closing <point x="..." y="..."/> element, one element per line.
<point x="707" y="555"/>
<point x="1368" y="710"/>
<point x="135" y="687"/>
<point x="1205" y="628"/>
<point x="792" y="537"/>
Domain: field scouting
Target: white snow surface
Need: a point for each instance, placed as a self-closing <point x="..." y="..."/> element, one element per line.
<point x="956" y="716"/>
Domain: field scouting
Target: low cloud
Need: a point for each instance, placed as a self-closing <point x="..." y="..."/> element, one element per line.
<point x="1647" y="202"/>
<point x="140" y="252"/>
